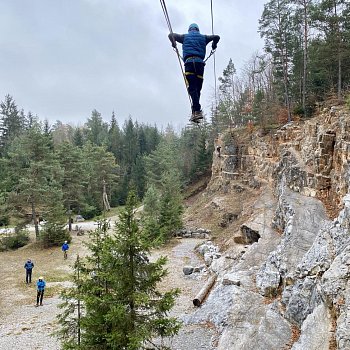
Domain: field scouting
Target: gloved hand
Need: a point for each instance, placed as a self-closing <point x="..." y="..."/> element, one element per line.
<point x="173" y="42"/>
<point x="213" y="47"/>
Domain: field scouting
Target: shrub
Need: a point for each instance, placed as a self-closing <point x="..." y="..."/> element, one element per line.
<point x="4" y="220"/>
<point x="14" y="240"/>
<point x="90" y="212"/>
<point x="348" y="101"/>
<point x="54" y="234"/>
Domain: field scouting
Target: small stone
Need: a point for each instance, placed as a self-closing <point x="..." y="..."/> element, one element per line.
<point x="188" y="270"/>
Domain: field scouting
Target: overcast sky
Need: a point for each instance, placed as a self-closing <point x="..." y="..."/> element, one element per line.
<point x="60" y="59"/>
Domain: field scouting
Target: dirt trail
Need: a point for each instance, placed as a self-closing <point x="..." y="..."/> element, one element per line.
<point x="26" y="327"/>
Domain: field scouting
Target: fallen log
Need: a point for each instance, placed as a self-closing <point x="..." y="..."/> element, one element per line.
<point x="198" y="300"/>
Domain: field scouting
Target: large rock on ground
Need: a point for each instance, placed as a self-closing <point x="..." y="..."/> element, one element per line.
<point x="315" y="331"/>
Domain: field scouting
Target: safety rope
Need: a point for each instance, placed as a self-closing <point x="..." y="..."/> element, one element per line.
<point x="212" y="32"/>
<point x="166" y="15"/>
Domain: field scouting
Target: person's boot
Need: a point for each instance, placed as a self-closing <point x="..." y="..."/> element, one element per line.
<point x="196" y="116"/>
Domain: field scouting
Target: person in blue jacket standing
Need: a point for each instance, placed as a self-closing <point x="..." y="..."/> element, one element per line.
<point x="65" y="248"/>
<point x="193" y="51"/>
<point x="29" y="269"/>
<point x="40" y="286"/>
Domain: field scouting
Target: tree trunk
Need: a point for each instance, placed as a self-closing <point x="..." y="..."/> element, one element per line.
<point x="69" y="219"/>
<point x="306" y="30"/>
<point x="105" y="197"/>
<point x="284" y="57"/>
<point x="35" y="220"/>
<point x="339" y="50"/>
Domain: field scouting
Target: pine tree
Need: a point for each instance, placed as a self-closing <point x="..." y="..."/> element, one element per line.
<point x="278" y="30"/>
<point x="96" y="129"/>
<point x="117" y="288"/>
<point x="12" y="123"/>
<point x="74" y="179"/>
<point x="34" y="177"/>
<point x="227" y="96"/>
<point x="171" y="208"/>
<point x="101" y="170"/>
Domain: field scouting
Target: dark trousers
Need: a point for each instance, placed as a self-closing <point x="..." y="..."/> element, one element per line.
<point x="29" y="276"/>
<point x="194" y="75"/>
<point x="39" y="297"/>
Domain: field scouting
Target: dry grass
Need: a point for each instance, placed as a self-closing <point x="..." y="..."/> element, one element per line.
<point x="294" y="338"/>
<point x="48" y="263"/>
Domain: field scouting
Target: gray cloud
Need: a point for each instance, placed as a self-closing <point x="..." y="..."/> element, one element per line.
<point x="61" y="59"/>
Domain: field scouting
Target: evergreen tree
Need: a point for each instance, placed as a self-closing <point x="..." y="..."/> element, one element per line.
<point x="96" y="129"/>
<point x="33" y="178"/>
<point x="332" y="19"/>
<point x="74" y="179"/>
<point x="12" y="122"/>
<point x="227" y="97"/>
<point x="122" y="310"/>
<point x="171" y="208"/>
<point x="115" y="139"/>
<point x="278" y="29"/>
<point x="101" y="170"/>
<point x="78" y="137"/>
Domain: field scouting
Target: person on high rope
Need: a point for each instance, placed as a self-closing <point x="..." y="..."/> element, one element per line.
<point x="193" y="51"/>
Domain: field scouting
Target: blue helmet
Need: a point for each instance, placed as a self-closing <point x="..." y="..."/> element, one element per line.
<point x="193" y="26"/>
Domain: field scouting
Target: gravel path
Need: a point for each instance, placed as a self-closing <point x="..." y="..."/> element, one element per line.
<point x="29" y="327"/>
<point x="26" y="327"/>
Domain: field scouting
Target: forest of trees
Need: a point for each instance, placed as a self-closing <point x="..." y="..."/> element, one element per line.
<point x="306" y="61"/>
<point x="54" y="172"/>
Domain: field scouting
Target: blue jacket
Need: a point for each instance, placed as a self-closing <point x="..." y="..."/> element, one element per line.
<point x="65" y="247"/>
<point x="40" y="285"/>
<point x="194" y="44"/>
<point x="28" y="265"/>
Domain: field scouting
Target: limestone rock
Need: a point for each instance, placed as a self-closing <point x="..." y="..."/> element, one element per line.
<point x="315" y="333"/>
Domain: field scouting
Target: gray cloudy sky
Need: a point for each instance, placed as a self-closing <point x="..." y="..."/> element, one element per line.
<point x="61" y="59"/>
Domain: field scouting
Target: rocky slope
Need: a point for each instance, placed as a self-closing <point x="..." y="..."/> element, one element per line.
<point x="283" y="280"/>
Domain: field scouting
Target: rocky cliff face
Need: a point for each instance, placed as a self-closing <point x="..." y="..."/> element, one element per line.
<point x="290" y="288"/>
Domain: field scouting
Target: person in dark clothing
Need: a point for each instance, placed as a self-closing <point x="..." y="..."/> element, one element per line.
<point x="29" y="268"/>
<point x="40" y="286"/>
<point x="193" y="51"/>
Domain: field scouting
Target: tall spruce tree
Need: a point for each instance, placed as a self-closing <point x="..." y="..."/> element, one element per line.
<point x="12" y="122"/>
<point x="117" y="288"/>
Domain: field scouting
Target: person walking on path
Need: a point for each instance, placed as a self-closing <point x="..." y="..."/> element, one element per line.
<point x="65" y="248"/>
<point x="193" y="52"/>
<point x="29" y="269"/>
<point x="40" y="285"/>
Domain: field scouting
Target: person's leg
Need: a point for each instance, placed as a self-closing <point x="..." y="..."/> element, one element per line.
<point x="41" y="297"/>
<point x="30" y="276"/>
<point x="199" y="70"/>
<point x="27" y="276"/>
<point x="192" y="85"/>
<point x="37" y="298"/>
